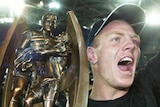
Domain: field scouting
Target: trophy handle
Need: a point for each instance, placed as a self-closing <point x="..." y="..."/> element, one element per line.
<point x="7" y="53"/>
<point x="77" y="76"/>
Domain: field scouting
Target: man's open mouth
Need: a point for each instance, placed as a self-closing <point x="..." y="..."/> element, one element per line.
<point x="125" y="64"/>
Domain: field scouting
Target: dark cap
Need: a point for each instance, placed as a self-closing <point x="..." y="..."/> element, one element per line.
<point x="130" y="13"/>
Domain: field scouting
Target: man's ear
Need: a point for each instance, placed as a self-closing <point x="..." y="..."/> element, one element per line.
<point x="91" y="54"/>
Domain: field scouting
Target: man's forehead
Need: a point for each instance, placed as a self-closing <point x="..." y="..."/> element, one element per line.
<point x="132" y="35"/>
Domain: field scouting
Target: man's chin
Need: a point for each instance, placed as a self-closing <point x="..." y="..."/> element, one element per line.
<point x="125" y="84"/>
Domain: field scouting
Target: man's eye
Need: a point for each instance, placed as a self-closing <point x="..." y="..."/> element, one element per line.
<point x="137" y="43"/>
<point x="116" y="39"/>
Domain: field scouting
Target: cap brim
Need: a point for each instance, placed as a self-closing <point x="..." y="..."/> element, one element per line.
<point x="131" y="13"/>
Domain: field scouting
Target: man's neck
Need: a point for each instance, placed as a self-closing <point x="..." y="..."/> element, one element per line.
<point x="101" y="92"/>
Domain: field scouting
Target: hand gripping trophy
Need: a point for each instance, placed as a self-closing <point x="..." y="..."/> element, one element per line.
<point x="40" y="61"/>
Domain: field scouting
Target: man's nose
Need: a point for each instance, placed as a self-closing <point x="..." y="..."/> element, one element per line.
<point x="129" y="44"/>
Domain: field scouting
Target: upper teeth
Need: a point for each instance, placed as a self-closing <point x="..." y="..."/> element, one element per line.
<point x="127" y="59"/>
